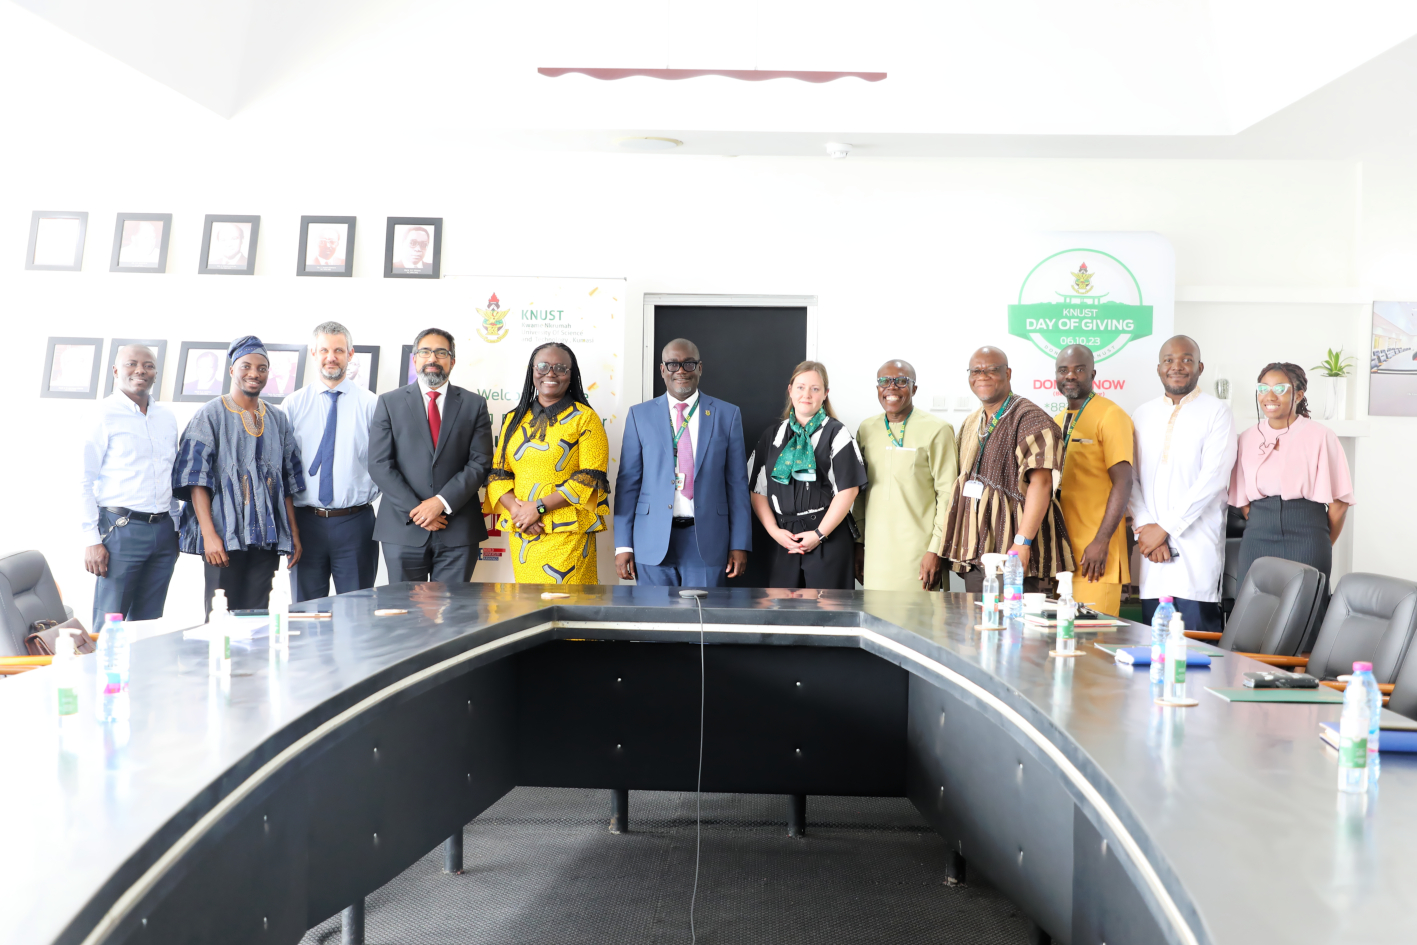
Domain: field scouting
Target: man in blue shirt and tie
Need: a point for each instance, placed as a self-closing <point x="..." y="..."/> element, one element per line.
<point x="335" y="514"/>
<point x="682" y="513"/>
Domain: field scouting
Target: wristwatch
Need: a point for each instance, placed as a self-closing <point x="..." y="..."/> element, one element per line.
<point x="540" y="507"/>
<point x="820" y="536"/>
<point x="1020" y="540"/>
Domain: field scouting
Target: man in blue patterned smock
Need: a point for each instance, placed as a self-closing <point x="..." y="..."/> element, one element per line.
<point x="238" y="467"/>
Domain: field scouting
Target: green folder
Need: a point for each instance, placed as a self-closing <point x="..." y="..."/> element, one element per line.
<point x="1321" y="694"/>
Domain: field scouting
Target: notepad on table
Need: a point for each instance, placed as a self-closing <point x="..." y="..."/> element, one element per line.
<point x="1111" y="649"/>
<point x="1322" y="694"/>
<point x="1141" y="656"/>
<point x="1396" y="739"/>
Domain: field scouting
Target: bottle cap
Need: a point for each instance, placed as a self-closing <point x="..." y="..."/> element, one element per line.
<point x="1013" y="554"/>
<point x="1168" y="600"/>
<point x="1362" y="667"/>
<point x="118" y="617"/>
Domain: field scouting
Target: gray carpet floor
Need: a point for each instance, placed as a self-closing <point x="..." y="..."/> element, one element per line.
<point x="541" y="867"/>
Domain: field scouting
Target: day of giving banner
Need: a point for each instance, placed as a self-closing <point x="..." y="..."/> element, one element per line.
<point x="498" y="322"/>
<point x="1114" y="292"/>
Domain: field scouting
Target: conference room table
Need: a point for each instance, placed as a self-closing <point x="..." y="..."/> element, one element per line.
<point x="252" y="808"/>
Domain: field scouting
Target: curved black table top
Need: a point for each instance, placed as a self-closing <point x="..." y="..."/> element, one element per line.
<point x="1234" y="805"/>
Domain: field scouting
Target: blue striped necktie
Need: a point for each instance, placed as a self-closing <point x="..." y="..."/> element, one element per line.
<point x="325" y="455"/>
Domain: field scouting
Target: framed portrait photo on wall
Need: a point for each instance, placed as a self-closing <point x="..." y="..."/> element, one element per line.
<point x="57" y="240"/>
<point x="201" y="372"/>
<point x="326" y="247"/>
<point x="71" y="368"/>
<point x="159" y="350"/>
<point x="140" y="242"/>
<point x="364" y="367"/>
<point x="287" y="371"/>
<point x="408" y="370"/>
<point x="413" y="247"/>
<point x="229" y="245"/>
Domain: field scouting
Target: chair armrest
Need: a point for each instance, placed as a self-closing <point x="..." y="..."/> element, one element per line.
<point x="1208" y="635"/>
<point x="1385" y="688"/>
<point x="1271" y="659"/>
<point x="14" y="665"/>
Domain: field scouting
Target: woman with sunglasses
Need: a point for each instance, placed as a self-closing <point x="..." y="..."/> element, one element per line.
<point x="1291" y="479"/>
<point x="548" y="483"/>
<point x="805" y="472"/>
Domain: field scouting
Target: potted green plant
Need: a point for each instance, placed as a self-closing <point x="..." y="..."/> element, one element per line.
<point x="1334" y="369"/>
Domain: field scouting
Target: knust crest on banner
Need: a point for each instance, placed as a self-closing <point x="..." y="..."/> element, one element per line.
<point x="1101" y="305"/>
<point x="493" y="328"/>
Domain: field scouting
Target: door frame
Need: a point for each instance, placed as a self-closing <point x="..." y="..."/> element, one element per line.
<point x="652" y="299"/>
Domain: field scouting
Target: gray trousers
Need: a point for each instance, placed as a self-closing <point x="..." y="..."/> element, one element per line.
<point x="141" y="556"/>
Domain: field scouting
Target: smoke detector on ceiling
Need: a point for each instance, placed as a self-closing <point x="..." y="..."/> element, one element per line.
<point x="837" y="151"/>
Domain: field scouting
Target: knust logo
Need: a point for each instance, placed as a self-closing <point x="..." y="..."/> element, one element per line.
<point x="1100" y="306"/>
<point x="493" y="330"/>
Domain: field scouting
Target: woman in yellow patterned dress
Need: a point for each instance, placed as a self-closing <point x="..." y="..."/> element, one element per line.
<point x="548" y="480"/>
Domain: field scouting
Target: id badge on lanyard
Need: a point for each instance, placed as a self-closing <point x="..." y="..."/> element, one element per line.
<point x="973" y="489"/>
<point x="678" y="482"/>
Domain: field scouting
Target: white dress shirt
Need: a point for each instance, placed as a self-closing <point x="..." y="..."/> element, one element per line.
<point x="127" y="462"/>
<point x="423" y="388"/>
<point x="1184" y="456"/>
<point x="309" y="410"/>
<point x="683" y="507"/>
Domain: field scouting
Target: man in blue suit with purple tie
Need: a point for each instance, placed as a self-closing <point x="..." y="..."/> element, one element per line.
<point x="682" y="513"/>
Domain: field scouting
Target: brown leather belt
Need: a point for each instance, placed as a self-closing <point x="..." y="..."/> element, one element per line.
<point x="337" y="513"/>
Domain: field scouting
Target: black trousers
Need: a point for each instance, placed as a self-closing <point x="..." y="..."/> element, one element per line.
<point x="829" y="566"/>
<point x="431" y="562"/>
<point x="1292" y="529"/>
<point x="246" y="581"/>
<point x="342" y="549"/>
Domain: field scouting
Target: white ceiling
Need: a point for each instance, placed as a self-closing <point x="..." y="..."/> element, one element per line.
<point x="1166" y="78"/>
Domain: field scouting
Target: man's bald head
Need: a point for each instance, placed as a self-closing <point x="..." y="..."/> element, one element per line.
<point x="135" y="372"/>
<point x="133" y="351"/>
<point x="990" y="355"/>
<point x="682" y="348"/>
<point x="989" y="375"/>
<point x="1073" y="354"/>
<point x="1178" y="343"/>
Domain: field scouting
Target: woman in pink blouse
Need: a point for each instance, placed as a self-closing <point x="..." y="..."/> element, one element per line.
<point x="1291" y="477"/>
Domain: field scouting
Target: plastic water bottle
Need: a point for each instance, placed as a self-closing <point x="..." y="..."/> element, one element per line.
<point x="990" y="593"/>
<point x="1067" y="614"/>
<point x="1363" y="674"/>
<point x="1160" y="627"/>
<point x="112" y="702"/>
<point x="1176" y="661"/>
<point x="279" y="611"/>
<point x="219" y="637"/>
<point x="1013" y="586"/>
<point x="1353" y="730"/>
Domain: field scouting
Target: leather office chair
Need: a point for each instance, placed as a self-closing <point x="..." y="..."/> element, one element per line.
<point x="1274" y="609"/>
<point x="1371" y="617"/>
<point x="1230" y="576"/>
<point x="27" y="593"/>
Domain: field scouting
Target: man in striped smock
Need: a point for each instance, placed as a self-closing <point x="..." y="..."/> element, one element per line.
<point x="1004" y="499"/>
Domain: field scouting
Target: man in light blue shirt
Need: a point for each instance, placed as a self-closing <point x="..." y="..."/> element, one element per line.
<point x="335" y="512"/>
<point x="126" y="510"/>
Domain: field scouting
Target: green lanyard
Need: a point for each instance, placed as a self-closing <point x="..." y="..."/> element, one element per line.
<point x="680" y="432"/>
<point x="1070" y="425"/>
<point x="900" y="443"/>
<point x="984" y="440"/>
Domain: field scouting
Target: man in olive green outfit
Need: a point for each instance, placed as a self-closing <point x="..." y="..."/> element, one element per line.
<point x="911" y="466"/>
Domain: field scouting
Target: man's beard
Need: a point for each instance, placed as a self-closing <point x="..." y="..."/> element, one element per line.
<point x="1181" y="391"/>
<point x="1073" y="391"/>
<point x="434" y="374"/>
<point x="335" y="375"/>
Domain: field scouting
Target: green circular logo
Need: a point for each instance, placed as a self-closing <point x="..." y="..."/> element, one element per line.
<point x="1080" y="297"/>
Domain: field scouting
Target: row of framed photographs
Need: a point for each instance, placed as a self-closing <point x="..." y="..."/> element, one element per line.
<point x="72" y="368"/>
<point x="412" y="245"/>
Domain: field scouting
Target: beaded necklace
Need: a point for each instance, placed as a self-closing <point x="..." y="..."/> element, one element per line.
<point x="229" y="405"/>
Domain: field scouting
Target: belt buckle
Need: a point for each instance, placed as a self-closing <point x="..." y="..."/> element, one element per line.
<point x="121" y="521"/>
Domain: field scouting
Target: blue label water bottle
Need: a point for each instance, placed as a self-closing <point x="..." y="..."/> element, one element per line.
<point x="1160" y="626"/>
<point x="1363" y="674"/>
<point x="112" y="702"/>
<point x="1013" y="586"/>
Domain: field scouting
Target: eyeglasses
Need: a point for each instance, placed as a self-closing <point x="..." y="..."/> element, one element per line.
<point x="689" y="366"/>
<point x="902" y="382"/>
<point x="992" y="370"/>
<point x="442" y="354"/>
<point x="1280" y="389"/>
<point x="544" y="368"/>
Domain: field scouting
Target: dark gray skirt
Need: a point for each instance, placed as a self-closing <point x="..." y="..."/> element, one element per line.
<point x="1293" y="529"/>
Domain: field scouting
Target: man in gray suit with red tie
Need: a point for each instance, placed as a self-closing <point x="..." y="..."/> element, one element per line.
<point x="682" y="513"/>
<point x="430" y="447"/>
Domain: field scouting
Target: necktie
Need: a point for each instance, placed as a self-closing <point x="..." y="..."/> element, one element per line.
<point x="435" y="419"/>
<point x="686" y="453"/>
<point x="325" y="455"/>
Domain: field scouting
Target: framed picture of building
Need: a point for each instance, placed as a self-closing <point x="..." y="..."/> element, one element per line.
<point x="140" y="242"/>
<point x="1392" y="362"/>
<point x="57" y="240"/>
<point x="159" y="350"/>
<point x="71" y="368"/>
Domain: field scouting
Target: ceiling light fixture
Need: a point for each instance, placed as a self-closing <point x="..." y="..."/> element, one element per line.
<point x="647" y="143"/>
<point x="838" y="151"/>
<point x="746" y="75"/>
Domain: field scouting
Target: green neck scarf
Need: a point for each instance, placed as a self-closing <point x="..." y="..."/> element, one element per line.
<point x="796" y="460"/>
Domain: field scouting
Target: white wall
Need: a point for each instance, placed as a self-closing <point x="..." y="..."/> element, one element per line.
<point x="904" y="255"/>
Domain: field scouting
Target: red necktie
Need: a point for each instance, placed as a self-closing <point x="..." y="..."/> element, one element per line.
<point x="435" y="419"/>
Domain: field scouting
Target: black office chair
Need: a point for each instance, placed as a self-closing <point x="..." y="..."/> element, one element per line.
<point x="1230" y="576"/>
<point x="1273" y="610"/>
<point x="27" y="593"/>
<point x="1371" y="617"/>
